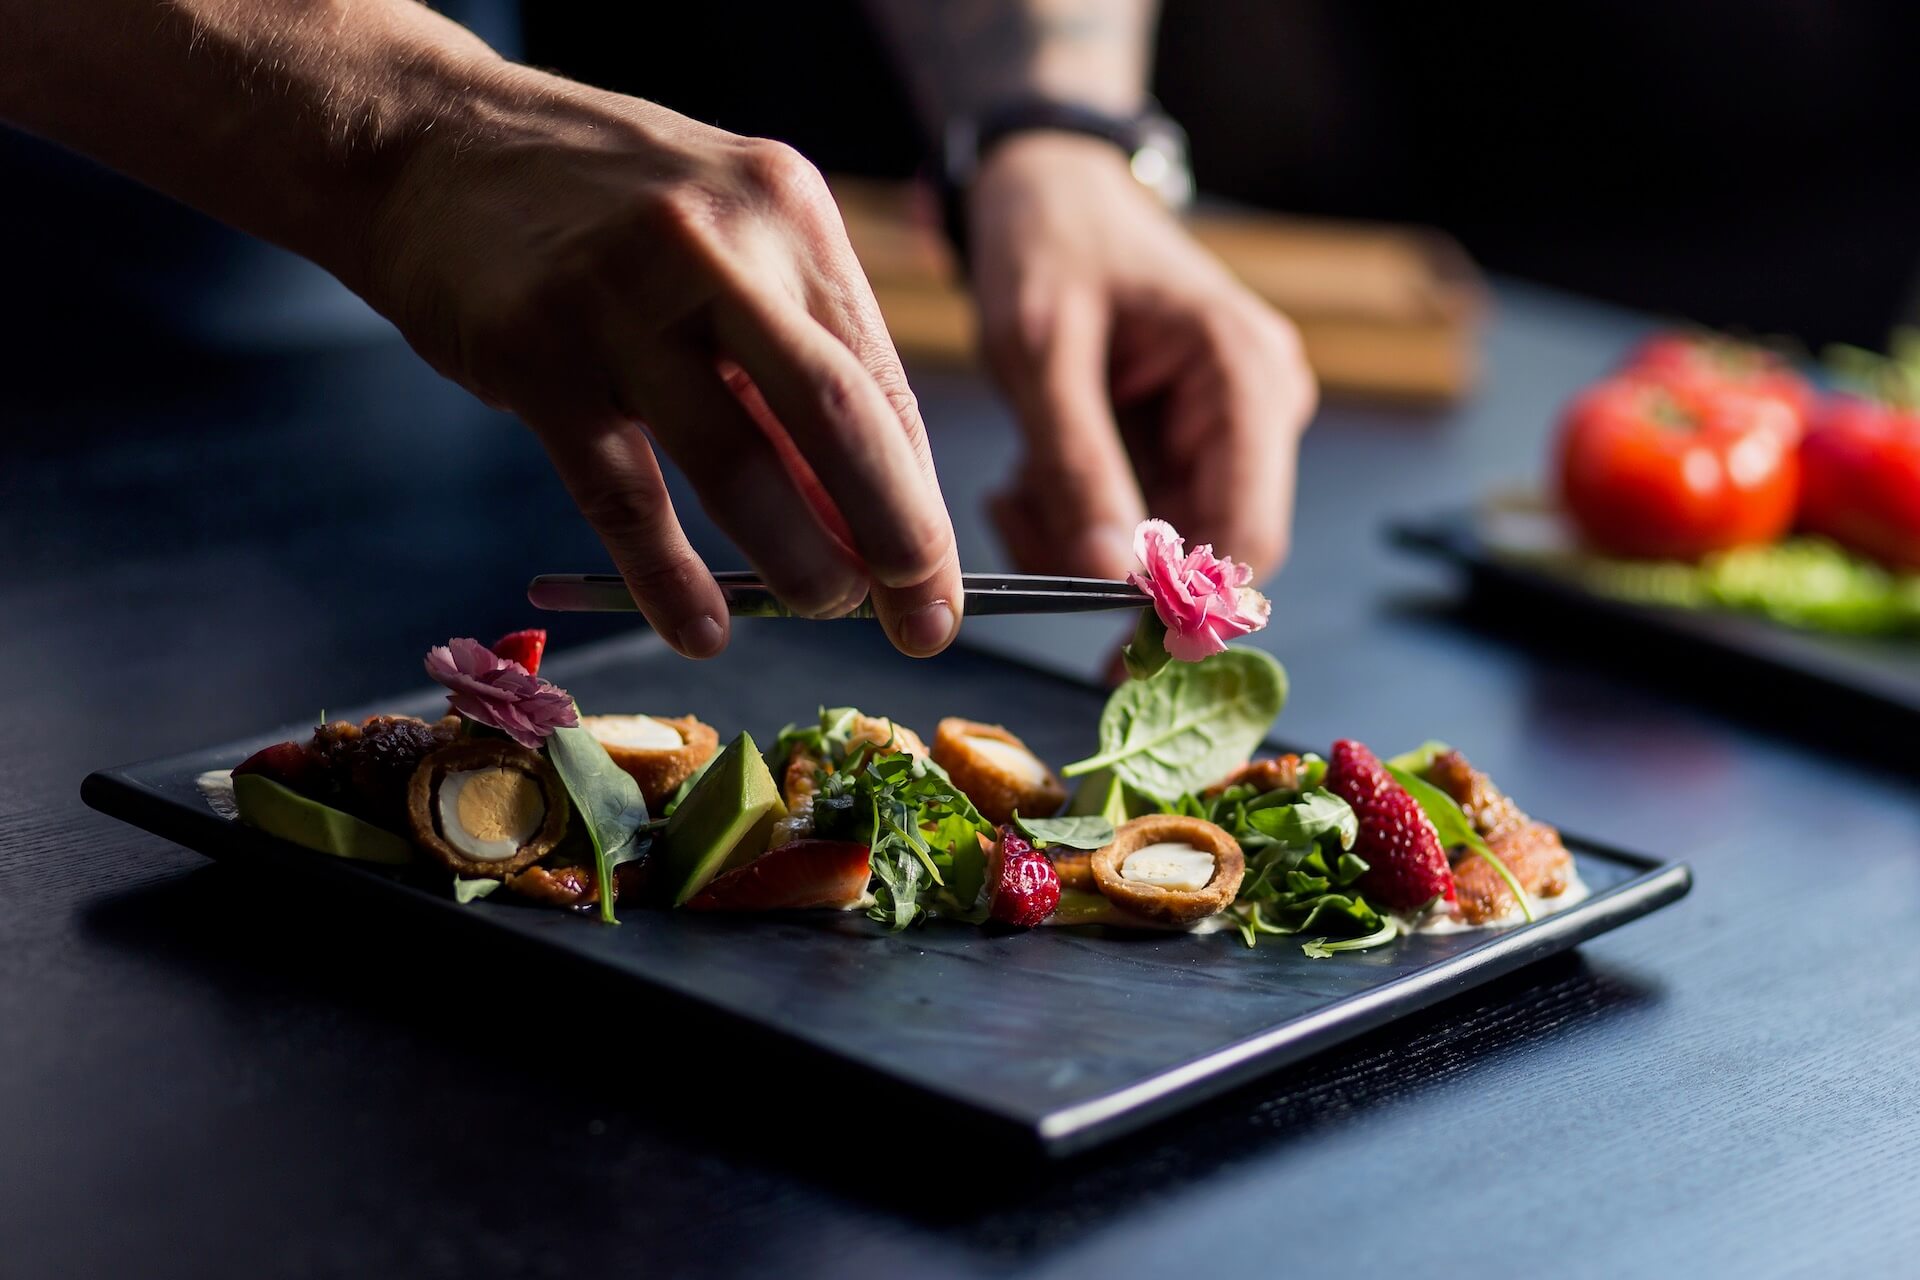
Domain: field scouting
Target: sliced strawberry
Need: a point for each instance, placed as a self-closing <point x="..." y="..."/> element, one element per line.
<point x="286" y="763"/>
<point x="523" y="647"/>
<point x="1406" y="867"/>
<point x="805" y="873"/>
<point x="1023" y="884"/>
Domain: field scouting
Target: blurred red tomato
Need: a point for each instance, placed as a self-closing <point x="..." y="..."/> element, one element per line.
<point x="1711" y="360"/>
<point x="1861" y="479"/>
<point x="1676" y="469"/>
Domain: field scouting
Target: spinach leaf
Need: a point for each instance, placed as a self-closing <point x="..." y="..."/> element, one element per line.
<point x="606" y="799"/>
<point x="1188" y="726"/>
<point x="1086" y="832"/>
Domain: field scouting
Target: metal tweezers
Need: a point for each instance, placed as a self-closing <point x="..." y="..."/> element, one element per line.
<point x="748" y="597"/>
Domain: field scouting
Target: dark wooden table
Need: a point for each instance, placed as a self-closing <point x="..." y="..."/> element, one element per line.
<point x="202" y="1073"/>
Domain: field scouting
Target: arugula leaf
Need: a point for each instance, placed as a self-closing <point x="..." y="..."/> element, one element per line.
<point x="924" y="833"/>
<point x="1321" y="949"/>
<point x="1454" y="828"/>
<point x="1170" y="736"/>
<point x="473" y="890"/>
<point x="1304" y="821"/>
<point x="607" y="799"/>
<point x="1090" y="831"/>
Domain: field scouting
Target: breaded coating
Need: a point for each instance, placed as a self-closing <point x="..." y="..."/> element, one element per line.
<point x="571" y="885"/>
<point x="658" y="770"/>
<point x="1073" y="866"/>
<point x="1163" y="905"/>
<point x="1533" y="851"/>
<point x="423" y="810"/>
<point x="1277" y="773"/>
<point x="996" y="790"/>
<point x="890" y="734"/>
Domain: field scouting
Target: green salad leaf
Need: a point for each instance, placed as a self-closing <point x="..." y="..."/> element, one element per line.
<point x="1801" y="581"/>
<point x="1299" y="876"/>
<point x="605" y="798"/>
<point x="1173" y="735"/>
<point x="923" y="831"/>
<point x="1305" y="821"/>
<point x="1089" y="831"/>
<point x="465" y="890"/>
<point x="1146" y="654"/>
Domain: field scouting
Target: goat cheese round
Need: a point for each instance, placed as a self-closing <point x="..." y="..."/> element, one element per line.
<point x="1023" y="766"/>
<point x="1170" y="864"/>
<point x="638" y="733"/>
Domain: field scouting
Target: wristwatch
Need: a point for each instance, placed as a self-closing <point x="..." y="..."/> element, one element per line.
<point x="1155" y="147"/>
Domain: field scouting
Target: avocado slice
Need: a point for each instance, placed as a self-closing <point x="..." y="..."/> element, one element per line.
<point x="1102" y="794"/>
<point x="723" y="823"/>
<point x="281" y="811"/>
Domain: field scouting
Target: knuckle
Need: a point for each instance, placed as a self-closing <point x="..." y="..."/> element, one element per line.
<point x="622" y="515"/>
<point x="784" y="176"/>
<point x="838" y="392"/>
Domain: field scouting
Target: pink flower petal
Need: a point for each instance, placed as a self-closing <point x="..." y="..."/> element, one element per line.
<point x="490" y="690"/>
<point x="1203" y="600"/>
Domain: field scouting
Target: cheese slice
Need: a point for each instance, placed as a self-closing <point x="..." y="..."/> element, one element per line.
<point x="1023" y="766"/>
<point x="1170" y="864"/>
<point x="636" y="733"/>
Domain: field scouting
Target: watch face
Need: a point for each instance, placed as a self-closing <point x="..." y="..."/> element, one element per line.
<point x="1160" y="161"/>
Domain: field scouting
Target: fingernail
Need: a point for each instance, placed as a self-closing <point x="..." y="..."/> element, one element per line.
<point x="928" y="629"/>
<point x="702" y="638"/>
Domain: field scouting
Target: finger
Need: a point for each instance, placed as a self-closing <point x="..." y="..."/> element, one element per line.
<point x="843" y="302"/>
<point x="1241" y="487"/>
<point x="742" y="483"/>
<point x="615" y="481"/>
<point x="1076" y="479"/>
<point x="848" y="432"/>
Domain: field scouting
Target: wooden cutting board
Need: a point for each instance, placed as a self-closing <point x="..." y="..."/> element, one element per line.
<point x="1384" y="311"/>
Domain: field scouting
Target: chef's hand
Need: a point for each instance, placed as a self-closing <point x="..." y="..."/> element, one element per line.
<point x="620" y="276"/>
<point x="1145" y="378"/>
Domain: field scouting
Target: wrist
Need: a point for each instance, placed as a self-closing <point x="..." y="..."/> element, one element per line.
<point x="410" y="94"/>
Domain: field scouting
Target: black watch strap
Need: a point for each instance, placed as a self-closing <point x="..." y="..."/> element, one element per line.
<point x="968" y="141"/>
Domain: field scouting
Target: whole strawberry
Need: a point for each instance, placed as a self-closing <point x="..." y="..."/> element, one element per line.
<point x="1023" y="886"/>
<point x="1406" y="867"/>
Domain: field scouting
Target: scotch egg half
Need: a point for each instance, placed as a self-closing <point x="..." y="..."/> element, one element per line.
<point x="486" y="808"/>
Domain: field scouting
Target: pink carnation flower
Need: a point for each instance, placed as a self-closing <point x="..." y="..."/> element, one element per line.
<point x="490" y="690"/>
<point x="1204" y="600"/>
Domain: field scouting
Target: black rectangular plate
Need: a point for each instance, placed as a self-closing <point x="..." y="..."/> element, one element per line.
<point x="1061" y="1037"/>
<point x="1872" y="675"/>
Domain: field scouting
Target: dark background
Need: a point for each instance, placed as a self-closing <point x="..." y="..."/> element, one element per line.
<point x="204" y="1073"/>
<point x="1740" y="163"/>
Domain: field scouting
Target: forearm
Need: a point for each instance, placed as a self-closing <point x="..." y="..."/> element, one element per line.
<point x="962" y="55"/>
<point x="283" y="117"/>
